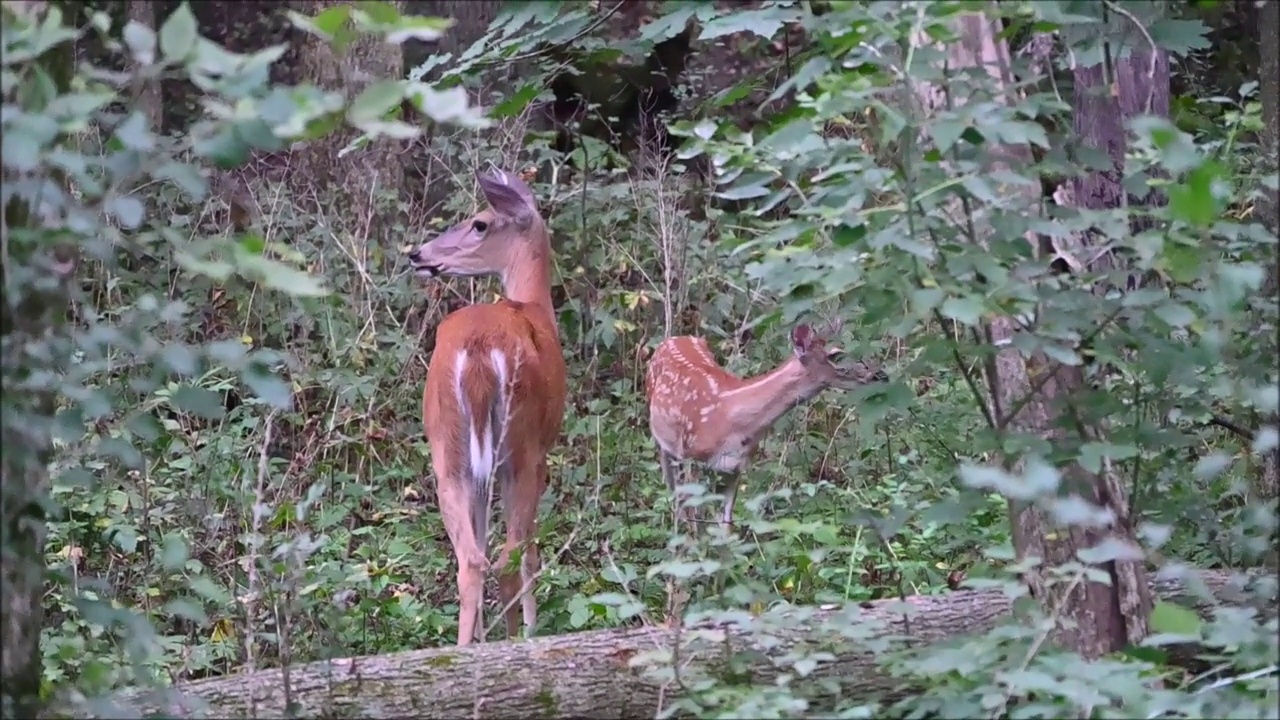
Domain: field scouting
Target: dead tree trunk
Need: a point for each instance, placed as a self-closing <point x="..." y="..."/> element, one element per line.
<point x="603" y="674"/>
<point x="1100" y="617"/>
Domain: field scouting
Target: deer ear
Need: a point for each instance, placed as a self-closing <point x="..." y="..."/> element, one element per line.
<point x="801" y="339"/>
<point x="508" y="195"/>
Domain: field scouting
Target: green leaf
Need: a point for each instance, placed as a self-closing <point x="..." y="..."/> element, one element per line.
<point x="134" y="134"/>
<point x="268" y="386"/>
<point x="375" y="101"/>
<point x="426" y="29"/>
<point x="1194" y="200"/>
<point x="516" y="102"/>
<point x="1179" y="36"/>
<point x="446" y="106"/>
<point x="765" y="22"/>
<point x="126" y="209"/>
<point x="1175" y="314"/>
<point x="141" y="41"/>
<point x="743" y="193"/>
<point x="178" y="34"/>
<point x="965" y="310"/>
<point x="946" y="133"/>
<point x="1212" y="465"/>
<point x="199" y="402"/>
<point x="331" y="19"/>
<point x="1173" y="619"/>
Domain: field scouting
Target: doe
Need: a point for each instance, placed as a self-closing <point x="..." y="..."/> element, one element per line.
<point x="701" y="412"/>
<point x="495" y="395"/>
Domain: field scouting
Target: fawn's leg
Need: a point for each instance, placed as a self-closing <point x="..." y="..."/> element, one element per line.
<point x="457" y="499"/>
<point x="731" y="480"/>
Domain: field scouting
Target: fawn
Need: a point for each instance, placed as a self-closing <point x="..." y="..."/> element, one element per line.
<point x="494" y="399"/>
<point x="699" y="411"/>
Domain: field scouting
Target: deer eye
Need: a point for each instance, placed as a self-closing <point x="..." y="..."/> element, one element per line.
<point x="835" y="354"/>
<point x="479" y="226"/>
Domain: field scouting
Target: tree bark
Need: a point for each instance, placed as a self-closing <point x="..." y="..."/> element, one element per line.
<point x="28" y="415"/>
<point x="363" y="178"/>
<point x="1099" y="617"/>
<point x="148" y="101"/>
<point x="1104" y="102"/>
<point x="592" y="674"/>
<point x="1269" y="73"/>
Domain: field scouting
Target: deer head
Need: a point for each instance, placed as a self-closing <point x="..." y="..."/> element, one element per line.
<point x="824" y="364"/>
<point x="493" y="240"/>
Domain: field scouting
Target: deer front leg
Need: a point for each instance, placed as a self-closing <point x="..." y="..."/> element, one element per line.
<point x="455" y="499"/>
<point x="672" y="472"/>
<point x="731" y="480"/>
<point x="521" y="492"/>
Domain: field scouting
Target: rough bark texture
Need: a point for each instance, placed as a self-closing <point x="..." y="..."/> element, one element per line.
<point x="1269" y="209"/>
<point x="1029" y="395"/>
<point x="590" y="674"/>
<point x="361" y="179"/>
<point x="149" y="100"/>
<point x="1102" y="107"/>
<point x="25" y="432"/>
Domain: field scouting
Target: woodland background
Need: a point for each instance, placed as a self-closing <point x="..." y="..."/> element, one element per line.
<point x="1064" y="505"/>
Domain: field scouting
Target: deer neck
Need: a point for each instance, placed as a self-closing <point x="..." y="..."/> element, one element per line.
<point x="762" y="400"/>
<point x="527" y="278"/>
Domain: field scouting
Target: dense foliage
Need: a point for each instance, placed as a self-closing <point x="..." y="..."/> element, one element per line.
<point x="240" y="478"/>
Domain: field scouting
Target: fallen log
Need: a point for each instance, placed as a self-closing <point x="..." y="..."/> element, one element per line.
<point x="599" y="674"/>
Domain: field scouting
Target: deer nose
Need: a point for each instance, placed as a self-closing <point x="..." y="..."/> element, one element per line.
<point x="881" y="376"/>
<point x="413" y="253"/>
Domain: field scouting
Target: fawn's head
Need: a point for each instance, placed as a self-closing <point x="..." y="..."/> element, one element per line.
<point x="825" y="364"/>
<point x="490" y="241"/>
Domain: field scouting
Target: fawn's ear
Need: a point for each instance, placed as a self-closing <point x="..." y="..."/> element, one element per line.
<point x="508" y="195"/>
<point x="801" y="339"/>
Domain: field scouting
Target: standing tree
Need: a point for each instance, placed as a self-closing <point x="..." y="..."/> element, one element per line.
<point x="33" y="305"/>
<point x="1269" y="72"/>
<point x="361" y="178"/>
<point x="1031" y="394"/>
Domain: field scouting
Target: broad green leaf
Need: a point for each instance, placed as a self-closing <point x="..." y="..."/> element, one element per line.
<point x="268" y="386"/>
<point x="966" y="310"/>
<point x="126" y="209"/>
<point x="199" y="402"/>
<point x="425" y="29"/>
<point x="1175" y="313"/>
<point x="1179" y="36"/>
<point x="141" y="41"/>
<point x="765" y="22"/>
<point x="1172" y="619"/>
<point x="178" y="34"/>
<point x="375" y="101"/>
<point x="1212" y="465"/>
<point x="134" y="134"/>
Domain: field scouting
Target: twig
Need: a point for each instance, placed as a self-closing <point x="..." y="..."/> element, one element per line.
<point x="251" y="569"/>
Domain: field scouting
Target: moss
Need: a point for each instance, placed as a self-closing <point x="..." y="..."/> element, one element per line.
<point x="546" y="701"/>
<point x="442" y="661"/>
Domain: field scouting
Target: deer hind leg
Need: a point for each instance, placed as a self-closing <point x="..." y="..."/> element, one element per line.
<point x="731" y="480"/>
<point x="521" y="490"/>
<point x="458" y="508"/>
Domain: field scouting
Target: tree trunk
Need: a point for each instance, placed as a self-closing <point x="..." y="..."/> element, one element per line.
<point x="1099" y="617"/>
<point x="148" y="100"/>
<point x="601" y="674"/>
<point x="26" y="328"/>
<point x="471" y="20"/>
<point x="364" y="177"/>
<point x="1269" y="42"/>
